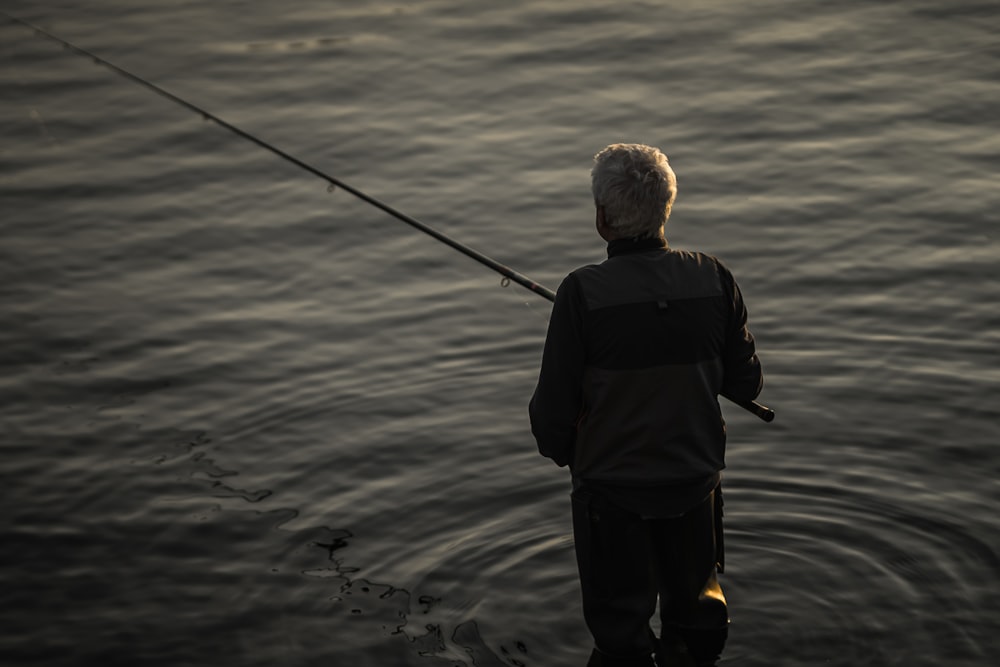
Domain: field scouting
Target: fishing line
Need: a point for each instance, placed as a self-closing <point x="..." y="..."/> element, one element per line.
<point x="508" y="273"/>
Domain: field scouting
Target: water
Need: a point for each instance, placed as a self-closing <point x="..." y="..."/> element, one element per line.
<point x="247" y="421"/>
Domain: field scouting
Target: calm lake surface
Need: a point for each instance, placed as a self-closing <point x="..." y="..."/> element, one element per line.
<point x="247" y="421"/>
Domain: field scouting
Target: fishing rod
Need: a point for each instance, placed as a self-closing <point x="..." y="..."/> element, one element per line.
<point x="508" y="273"/>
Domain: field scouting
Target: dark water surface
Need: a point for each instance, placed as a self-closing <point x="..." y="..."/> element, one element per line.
<point x="246" y="421"/>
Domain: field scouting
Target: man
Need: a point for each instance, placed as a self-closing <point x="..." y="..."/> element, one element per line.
<point x="638" y="350"/>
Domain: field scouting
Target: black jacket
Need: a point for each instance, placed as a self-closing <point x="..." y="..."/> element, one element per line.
<point x="637" y="352"/>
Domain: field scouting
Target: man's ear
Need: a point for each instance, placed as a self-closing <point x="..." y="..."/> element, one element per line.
<point x="601" y="222"/>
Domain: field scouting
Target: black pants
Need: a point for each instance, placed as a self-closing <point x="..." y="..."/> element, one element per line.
<point x="626" y="562"/>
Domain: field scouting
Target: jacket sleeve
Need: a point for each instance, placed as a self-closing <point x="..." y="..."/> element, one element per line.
<point x="557" y="403"/>
<point x="744" y="376"/>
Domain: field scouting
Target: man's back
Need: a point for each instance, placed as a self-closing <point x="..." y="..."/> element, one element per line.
<point x="660" y="333"/>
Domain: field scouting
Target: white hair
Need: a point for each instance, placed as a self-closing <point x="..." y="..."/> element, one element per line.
<point x="636" y="187"/>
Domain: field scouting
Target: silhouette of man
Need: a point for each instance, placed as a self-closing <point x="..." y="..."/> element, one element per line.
<point x="638" y="350"/>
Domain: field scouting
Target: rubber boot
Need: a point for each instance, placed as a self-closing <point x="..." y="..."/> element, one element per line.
<point x="599" y="659"/>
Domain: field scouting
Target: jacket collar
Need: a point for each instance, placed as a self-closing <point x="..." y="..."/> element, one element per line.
<point x="630" y="246"/>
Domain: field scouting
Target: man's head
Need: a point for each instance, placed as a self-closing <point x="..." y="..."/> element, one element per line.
<point x="634" y="188"/>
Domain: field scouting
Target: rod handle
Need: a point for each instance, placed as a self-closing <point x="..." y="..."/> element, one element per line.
<point x="762" y="411"/>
